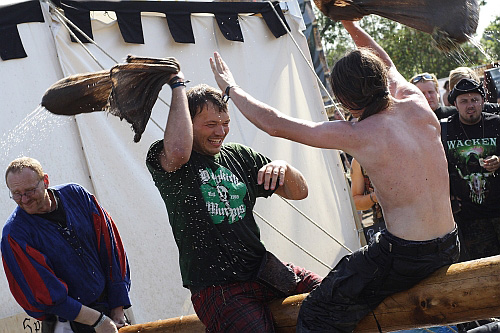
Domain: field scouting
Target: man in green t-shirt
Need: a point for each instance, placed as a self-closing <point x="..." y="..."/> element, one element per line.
<point x="210" y="189"/>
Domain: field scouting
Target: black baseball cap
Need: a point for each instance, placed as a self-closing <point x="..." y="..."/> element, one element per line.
<point x="465" y="86"/>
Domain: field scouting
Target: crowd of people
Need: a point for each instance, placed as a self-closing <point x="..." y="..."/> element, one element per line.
<point x="210" y="188"/>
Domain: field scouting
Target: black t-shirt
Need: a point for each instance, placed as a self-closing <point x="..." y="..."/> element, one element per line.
<point x="446" y="111"/>
<point x="466" y="146"/>
<point x="209" y="202"/>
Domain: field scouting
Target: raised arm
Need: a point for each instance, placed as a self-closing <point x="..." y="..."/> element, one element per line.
<point x="178" y="136"/>
<point x="328" y="134"/>
<point x="362" y="39"/>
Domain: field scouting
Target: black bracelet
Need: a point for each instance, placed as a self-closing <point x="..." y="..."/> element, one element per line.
<point x="225" y="96"/>
<point x="98" y="321"/>
<point x="173" y="80"/>
<point x="178" y="84"/>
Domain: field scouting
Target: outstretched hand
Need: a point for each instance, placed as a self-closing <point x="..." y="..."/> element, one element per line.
<point x="222" y="74"/>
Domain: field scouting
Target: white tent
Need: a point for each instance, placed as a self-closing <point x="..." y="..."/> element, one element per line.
<point x="97" y="150"/>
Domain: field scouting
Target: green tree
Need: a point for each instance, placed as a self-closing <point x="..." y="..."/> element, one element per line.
<point x="410" y="49"/>
<point x="491" y="39"/>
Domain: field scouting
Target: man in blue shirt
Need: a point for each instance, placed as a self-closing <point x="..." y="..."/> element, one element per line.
<point x="62" y="254"/>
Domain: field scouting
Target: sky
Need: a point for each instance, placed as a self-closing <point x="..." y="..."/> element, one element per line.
<point x="487" y="13"/>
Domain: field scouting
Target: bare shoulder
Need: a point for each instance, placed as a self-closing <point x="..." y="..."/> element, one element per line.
<point x="400" y="88"/>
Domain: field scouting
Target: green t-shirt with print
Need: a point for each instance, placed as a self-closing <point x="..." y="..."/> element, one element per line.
<point x="209" y="201"/>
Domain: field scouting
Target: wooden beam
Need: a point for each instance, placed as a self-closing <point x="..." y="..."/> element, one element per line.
<point x="185" y="324"/>
<point x="458" y="293"/>
<point x="461" y="292"/>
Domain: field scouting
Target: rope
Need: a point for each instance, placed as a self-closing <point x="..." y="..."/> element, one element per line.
<point x="63" y="19"/>
<point x="292" y="241"/>
<point x="315" y="224"/>
<point x="307" y="62"/>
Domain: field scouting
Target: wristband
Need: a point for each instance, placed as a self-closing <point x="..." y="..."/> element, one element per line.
<point x="100" y="320"/>
<point x="178" y="84"/>
<point x="173" y="80"/>
<point x="225" y="96"/>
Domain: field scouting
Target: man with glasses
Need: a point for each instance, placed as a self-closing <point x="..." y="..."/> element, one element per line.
<point x="397" y="141"/>
<point x="63" y="255"/>
<point x="429" y="86"/>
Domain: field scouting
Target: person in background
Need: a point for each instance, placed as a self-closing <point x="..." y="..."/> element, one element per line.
<point x="446" y="88"/>
<point x="365" y="198"/>
<point x="460" y="73"/>
<point x="429" y="86"/>
<point x="63" y="255"/>
<point x="210" y="189"/>
<point x="471" y="140"/>
<point x="396" y="127"/>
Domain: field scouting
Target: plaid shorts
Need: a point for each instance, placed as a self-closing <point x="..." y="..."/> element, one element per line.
<point x="242" y="306"/>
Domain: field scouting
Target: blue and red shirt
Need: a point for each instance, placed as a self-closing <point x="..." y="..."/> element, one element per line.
<point x="55" y="270"/>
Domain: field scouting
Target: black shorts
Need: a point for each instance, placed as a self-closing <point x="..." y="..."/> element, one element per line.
<point x="363" y="279"/>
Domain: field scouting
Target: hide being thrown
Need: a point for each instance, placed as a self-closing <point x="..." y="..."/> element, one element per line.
<point x="128" y="91"/>
<point x="450" y="22"/>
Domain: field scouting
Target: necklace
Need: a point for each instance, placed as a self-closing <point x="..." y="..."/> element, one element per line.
<point x="463" y="129"/>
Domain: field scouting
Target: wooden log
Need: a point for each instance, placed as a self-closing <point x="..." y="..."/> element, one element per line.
<point x="285" y="312"/>
<point x="458" y="293"/>
<point x="185" y="324"/>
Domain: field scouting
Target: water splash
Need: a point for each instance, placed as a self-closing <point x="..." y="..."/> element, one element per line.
<point x="29" y="134"/>
<point x="489" y="57"/>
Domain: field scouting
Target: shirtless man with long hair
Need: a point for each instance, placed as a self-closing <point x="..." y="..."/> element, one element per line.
<point x="397" y="140"/>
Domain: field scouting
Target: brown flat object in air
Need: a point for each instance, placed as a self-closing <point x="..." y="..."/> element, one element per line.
<point x="450" y="22"/>
<point x="128" y="91"/>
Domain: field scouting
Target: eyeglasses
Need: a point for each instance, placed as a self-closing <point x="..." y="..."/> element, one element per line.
<point x="420" y="77"/>
<point x="28" y="193"/>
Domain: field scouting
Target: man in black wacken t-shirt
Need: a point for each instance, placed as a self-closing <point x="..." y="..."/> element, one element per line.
<point x="471" y="142"/>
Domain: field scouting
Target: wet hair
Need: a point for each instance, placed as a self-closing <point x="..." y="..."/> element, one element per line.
<point x="359" y="80"/>
<point x="200" y="95"/>
<point x="20" y="163"/>
<point x="460" y="73"/>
